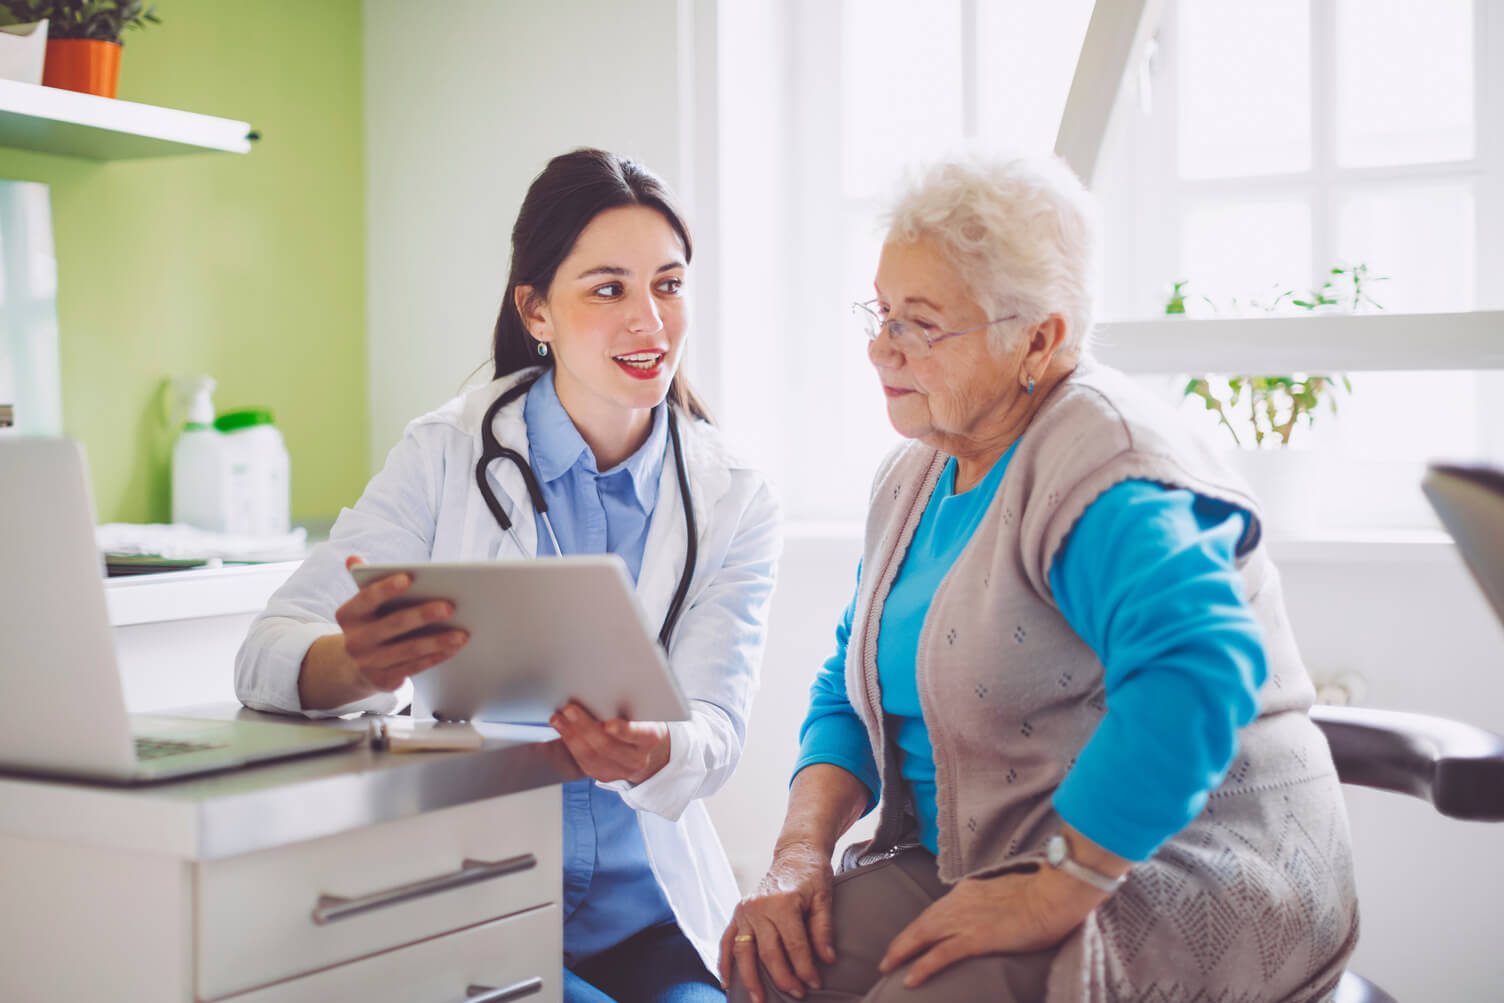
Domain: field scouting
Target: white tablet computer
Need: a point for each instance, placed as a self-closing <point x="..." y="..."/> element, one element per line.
<point x="543" y="632"/>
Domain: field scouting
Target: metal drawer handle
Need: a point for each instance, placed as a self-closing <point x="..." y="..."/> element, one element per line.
<point x="335" y="907"/>
<point x="485" y="994"/>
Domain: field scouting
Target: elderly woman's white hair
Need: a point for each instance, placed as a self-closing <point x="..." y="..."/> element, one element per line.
<point x="1022" y="232"/>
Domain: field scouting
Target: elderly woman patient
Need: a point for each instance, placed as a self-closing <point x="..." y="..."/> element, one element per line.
<point x="1066" y="675"/>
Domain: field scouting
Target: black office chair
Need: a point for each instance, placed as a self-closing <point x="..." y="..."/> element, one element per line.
<point x="1456" y="767"/>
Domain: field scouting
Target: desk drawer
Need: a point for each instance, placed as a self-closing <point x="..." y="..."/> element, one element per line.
<point x="523" y="954"/>
<point x="267" y="916"/>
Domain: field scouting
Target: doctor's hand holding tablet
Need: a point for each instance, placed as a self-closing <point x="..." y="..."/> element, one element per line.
<point x="375" y="651"/>
<point x="390" y="632"/>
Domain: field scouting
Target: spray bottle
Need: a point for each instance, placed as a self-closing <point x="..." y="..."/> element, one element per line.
<point x="200" y="461"/>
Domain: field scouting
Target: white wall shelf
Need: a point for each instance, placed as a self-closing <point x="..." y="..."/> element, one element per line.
<point x="197" y="592"/>
<point x="1366" y="547"/>
<point x="1324" y="343"/>
<point x="51" y="120"/>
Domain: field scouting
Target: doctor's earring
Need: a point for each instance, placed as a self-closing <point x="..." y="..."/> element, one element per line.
<point x="542" y="350"/>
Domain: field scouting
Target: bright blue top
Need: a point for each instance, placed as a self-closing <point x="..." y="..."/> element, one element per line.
<point x="943" y="532"/>
<point x="609" y="890"/>
<point x="1147" y="579"/>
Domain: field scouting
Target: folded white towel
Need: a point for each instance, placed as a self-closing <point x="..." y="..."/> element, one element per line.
<point x="175" y="540"/>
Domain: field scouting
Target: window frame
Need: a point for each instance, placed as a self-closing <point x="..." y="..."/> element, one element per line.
<point x="1145" y="162"/>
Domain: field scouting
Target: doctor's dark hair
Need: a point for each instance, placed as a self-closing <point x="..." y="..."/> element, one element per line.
<point x="571" y="191"/>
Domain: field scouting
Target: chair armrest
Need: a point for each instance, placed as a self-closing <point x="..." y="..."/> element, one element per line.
<point x="1455" y="766"/>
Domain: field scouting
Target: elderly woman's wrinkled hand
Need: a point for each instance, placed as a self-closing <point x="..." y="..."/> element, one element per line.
<point x="771" y="924"/>
<point x="1010" y="914"/>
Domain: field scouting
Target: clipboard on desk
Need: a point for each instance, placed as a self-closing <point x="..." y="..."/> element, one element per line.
<point x="542" y="632"/>
<point x="1470" y="502"/>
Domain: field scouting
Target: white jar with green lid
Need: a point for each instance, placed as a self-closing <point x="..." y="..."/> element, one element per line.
<point x="259" y="479"/>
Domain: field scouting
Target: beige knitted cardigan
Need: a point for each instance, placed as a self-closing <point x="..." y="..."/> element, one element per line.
<point x="1254" y="899"/>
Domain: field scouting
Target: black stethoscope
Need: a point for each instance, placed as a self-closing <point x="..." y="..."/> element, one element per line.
<point x="492" y="449"/>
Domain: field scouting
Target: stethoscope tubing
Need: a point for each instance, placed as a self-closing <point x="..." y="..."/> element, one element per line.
<point x="492" y="450"/>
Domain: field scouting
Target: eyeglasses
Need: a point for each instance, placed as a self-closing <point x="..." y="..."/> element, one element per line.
<point x="910" y="337"/>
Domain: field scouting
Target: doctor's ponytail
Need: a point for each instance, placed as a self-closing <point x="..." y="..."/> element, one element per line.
<point x="572" y="190"/>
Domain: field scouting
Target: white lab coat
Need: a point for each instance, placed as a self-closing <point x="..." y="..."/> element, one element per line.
<point x="424" y="506"/>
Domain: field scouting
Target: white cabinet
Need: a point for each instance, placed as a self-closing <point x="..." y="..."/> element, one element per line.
<point x="351" y="875"/>
<point x="278" y="913"/>
<point x="512" y="959"/>
<point x="176" y="633"/>
<point x="83" y="922"/>
<point x="419" y="908"/>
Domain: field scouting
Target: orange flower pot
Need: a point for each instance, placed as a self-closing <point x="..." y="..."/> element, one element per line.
<point x="82" y="64"/>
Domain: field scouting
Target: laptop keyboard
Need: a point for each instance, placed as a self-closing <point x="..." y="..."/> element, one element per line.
<point x="157" y="748"/>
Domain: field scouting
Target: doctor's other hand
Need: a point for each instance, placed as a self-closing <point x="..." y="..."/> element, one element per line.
<point x="612" y="750"/>
<point x="770" y="924"/>
<point x="371" y="653"/>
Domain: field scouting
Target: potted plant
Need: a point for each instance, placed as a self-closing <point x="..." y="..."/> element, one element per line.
<point x="1262" y="413"/>
<point x="83" y="39"/>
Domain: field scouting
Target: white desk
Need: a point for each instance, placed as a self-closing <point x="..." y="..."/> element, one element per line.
<point x="176" y="633"/>
<point x="353" y="875"/>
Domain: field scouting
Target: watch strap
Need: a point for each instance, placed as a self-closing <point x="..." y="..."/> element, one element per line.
<point x="1058" y="855"/>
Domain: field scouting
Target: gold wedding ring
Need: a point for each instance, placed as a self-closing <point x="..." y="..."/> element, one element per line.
<point x="743" y="938"/>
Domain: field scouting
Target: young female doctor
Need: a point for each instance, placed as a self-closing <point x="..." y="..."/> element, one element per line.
<point x="588" y="399"/>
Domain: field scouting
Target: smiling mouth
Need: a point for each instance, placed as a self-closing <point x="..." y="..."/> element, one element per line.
<point x="640" y="360"/>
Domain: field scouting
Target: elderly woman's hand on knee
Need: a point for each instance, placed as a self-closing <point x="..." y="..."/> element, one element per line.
<point x="1008" y="914"/>
<point x="783" y="924"/>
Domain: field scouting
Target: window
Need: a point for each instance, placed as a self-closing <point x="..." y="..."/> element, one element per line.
<point x="1270" y="142"/>
<point x="1290" y="135"/>
<point x="1258" y="146"/>
<point x="821" y="113"/>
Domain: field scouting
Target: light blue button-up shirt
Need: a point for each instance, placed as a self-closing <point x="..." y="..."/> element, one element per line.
<point x="610" y="892"/>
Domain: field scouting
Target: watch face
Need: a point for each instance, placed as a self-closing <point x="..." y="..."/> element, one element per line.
<point x="1055" y="851"/>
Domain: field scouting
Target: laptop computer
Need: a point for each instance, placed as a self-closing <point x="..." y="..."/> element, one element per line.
<point x="62" y="707"/>
<point x="1470" y="502"/>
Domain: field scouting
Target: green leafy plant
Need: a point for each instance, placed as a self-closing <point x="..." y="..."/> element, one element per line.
<point x="1352" y="291"/>
<point x="1268" y="409"/>
<point x="100" y="20"/>
<point x="1176" y="302"/>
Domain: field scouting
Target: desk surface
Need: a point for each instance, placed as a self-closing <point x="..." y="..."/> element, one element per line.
<point x="261" y="807"/>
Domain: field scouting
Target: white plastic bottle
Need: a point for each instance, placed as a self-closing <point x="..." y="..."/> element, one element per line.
<point x="259" y="485"/>
<point x="200" y="467"/>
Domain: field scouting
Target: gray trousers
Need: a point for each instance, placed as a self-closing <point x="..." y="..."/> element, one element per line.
<point x="872" y="906"/>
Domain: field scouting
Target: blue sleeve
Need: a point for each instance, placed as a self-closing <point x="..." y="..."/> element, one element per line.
<point x="1147" y="579"/>
<point x="832" y="732"/>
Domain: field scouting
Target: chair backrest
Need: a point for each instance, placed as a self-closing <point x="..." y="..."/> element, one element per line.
<point x="1455" y="766"/>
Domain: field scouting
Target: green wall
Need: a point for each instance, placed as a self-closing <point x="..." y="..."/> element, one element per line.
<point x="248" y="267"/>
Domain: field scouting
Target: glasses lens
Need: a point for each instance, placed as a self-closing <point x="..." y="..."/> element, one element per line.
<point x="907" y="338"/>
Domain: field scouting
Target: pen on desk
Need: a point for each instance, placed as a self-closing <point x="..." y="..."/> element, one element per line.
<point x="404" y="735"/>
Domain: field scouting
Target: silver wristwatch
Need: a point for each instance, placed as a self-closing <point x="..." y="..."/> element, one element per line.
<point x="1058" y="853"/>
